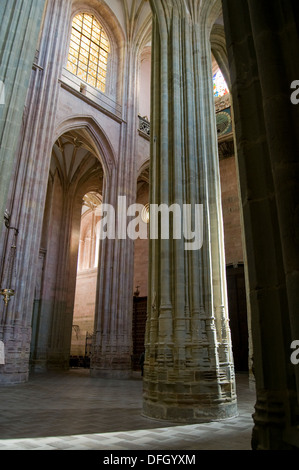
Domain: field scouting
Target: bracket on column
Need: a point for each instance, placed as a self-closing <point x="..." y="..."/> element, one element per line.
<point x="7" y="222"/>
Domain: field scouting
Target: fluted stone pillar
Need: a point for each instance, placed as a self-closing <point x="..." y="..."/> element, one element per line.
<point x="30" y="176"/>
<point x="189" y="374"/>
<point x="262" y="43"/>
<point x="20" y="27"/>
<point x="112" y="343"/>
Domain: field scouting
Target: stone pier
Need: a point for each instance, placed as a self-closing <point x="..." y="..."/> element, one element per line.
<point x="262" y="42"/>
<point x="189" y="373"/>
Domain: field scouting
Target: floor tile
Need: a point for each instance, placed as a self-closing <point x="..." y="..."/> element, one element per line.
<point x="71" y="411"/>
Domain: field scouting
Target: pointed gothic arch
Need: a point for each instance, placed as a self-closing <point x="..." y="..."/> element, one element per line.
<point x="75" y="170"/>
<point x="97" y="137"/>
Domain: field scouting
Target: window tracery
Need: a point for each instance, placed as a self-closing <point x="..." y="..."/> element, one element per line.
<point x="89" y="50"/>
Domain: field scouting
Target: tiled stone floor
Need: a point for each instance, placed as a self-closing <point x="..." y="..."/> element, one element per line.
<point x="71" y="411"/>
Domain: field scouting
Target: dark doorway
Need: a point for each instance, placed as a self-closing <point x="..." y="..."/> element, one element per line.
<point x="238" y="315"/>
<point x="138" y="330"/>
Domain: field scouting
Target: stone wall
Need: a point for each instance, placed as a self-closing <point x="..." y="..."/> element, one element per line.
<point x="84" y="311"/>
<point x="231" y="212"/>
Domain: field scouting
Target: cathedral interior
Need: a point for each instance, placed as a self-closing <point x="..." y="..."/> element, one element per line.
<point x="110" y="109"/>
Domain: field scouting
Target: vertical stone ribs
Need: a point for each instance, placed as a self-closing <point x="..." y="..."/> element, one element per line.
<point x="20" y="26"/>
<point x="189" y="373"/>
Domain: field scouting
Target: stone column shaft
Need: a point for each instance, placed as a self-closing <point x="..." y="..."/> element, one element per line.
<point x="27" y="197"/>
<point x="189" y="373"/>
<point x="112" y="345"/>
<point x="20" y="27"/>
<point x="262" y="48"/>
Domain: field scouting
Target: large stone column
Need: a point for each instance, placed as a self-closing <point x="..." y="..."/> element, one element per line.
<point x="262" y="42"/>
<point x="112" y="344"/>
<point x="20" y="27"/>
<point x="29" y="184"/>
<point x="189" y="374"/>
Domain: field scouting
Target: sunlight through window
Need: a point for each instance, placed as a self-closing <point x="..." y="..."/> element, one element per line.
<point x="220" y="86"/>
<point x="89" y="49"/>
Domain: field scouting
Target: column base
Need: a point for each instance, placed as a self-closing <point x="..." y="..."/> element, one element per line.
<point x="111" y="363"/>
<point x="191" y="414"/>
<point x="272" y="427"/>
<point x="188" y="395"/>
<point x="16" y="341"/>
<point x="12" y="378"/>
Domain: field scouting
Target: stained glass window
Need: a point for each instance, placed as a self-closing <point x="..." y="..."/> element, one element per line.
<point x="89" y="49"/>
<point x="220" y="86"/>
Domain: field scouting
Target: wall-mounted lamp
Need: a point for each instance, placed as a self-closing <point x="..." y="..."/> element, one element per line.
<point x="136" y="293"/>
<point x="8" y="291"/>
